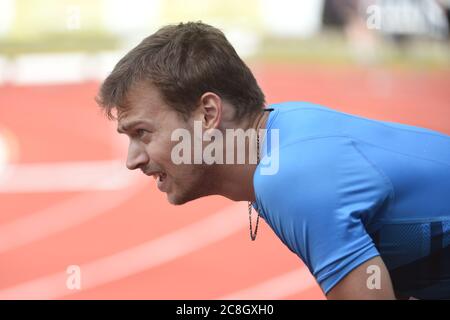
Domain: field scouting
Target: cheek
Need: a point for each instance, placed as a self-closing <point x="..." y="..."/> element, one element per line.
<point x="181" y="173"/>
<point x="185" y="175"/>
<point x="159" y="153"/>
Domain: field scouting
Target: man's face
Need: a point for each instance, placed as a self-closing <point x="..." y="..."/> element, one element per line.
<point x="149" y="122"/>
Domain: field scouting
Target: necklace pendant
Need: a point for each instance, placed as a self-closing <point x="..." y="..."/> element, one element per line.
<point x="252" y="235"/>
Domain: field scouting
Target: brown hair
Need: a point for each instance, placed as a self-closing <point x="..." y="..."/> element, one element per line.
<point x="184" y="61"/>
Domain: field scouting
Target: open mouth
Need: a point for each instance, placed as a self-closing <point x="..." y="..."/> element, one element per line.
<point x="161" y="182"/>
<point x="160" y="177"/>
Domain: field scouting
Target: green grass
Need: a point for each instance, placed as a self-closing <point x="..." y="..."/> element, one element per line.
<point x="333" y="49"/>
<point x="327" y="49"/>
<point x="59" y="42"/>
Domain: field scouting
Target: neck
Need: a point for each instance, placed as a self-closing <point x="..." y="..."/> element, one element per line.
<point x="236" y="180"/>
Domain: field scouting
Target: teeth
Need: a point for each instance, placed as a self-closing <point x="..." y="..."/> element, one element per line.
<point x="159" y="176"/>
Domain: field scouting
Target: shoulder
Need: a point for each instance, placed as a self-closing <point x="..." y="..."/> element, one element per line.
<point x="321" y="172"/>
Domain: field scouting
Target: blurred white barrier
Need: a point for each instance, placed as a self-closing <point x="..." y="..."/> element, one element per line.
<point x="57" y="68"/>
<point x="7" y="13"/>
<point x="292" y="17"/>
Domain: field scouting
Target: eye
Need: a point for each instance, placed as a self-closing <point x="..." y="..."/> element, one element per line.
<point x="141" y="132"/>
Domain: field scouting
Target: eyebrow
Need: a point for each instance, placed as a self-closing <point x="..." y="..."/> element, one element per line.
<point x="127" y="126"/>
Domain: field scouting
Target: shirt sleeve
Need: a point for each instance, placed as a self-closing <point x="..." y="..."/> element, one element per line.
<point x="319" y="202"/>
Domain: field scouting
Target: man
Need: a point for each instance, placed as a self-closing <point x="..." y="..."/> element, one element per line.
<point x="365" y="204"/>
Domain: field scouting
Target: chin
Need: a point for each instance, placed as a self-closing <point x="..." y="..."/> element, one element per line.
<point x="177" y="199"/>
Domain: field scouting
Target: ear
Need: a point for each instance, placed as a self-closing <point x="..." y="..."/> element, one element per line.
<point x="211" y="110"/>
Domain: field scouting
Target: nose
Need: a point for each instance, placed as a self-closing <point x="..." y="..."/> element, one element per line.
<point x="137" y="156"/>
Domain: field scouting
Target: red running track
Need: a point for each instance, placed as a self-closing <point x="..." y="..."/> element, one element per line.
<point x="129" y="242"/>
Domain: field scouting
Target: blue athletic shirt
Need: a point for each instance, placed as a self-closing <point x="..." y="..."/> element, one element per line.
<point x="347" y="189"/>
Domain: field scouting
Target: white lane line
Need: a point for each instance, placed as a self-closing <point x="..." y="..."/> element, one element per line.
<point x="136" y="259"/>
<point x="65" y="176"/>
<point x="279" y="287"/>
<point x="60" y="217"/>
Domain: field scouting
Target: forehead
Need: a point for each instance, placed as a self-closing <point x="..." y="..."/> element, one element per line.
<point x="144" y="102"/>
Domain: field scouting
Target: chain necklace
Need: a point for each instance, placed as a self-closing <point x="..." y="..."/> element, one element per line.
<point x="253" y="235"/>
